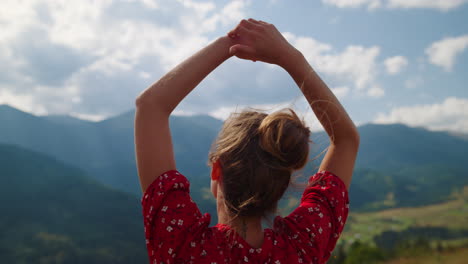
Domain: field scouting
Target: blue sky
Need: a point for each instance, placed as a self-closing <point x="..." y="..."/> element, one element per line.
<point x="387" y="60"/>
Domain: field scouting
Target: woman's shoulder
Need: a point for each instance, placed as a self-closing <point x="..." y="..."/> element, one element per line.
<point x="323" y="178"/>
<point x="168" y="181"/>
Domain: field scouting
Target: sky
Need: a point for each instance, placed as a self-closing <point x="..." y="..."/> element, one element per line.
<point x="388" y="61"/>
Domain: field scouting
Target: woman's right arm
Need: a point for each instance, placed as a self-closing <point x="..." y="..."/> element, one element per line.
<point x="344" y="137"/>
<point x="258" y="40"/>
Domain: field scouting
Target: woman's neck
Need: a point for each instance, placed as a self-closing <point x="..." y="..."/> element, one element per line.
<point x="249" y="228"/>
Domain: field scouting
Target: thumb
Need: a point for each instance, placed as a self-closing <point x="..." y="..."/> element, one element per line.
<point x="242" y="51"/>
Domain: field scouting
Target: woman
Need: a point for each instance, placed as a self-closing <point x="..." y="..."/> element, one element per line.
<point x="252" y="161"/>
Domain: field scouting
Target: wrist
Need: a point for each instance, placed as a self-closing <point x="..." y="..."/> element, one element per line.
<point x="292" y="60"/>
<point x="224" y="43"/>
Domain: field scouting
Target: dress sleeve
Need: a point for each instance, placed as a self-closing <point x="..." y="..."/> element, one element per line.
<point x="319" y="220"/>
<point x="170" y="216"/>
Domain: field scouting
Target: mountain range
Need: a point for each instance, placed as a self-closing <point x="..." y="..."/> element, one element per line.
<point x="53" y="213"/>
<point x="69" y="191"/>
<point x="397" y="165"/>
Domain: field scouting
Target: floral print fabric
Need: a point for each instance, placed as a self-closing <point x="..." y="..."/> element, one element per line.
<point x="176" y="231"/>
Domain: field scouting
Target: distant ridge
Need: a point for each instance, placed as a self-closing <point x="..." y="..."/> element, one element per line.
<point x="391" y="146"/>
<point x="399" y="161"/>
<point x="66" y="119"/>
<point x="51" y="210"/>
<point x="463" y="136"/>
<point x="105" y="149"/>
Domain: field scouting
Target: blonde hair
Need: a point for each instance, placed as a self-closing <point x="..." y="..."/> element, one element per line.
<point x="258" y="153"/>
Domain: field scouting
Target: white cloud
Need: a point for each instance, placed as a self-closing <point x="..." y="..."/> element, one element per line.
<point x="355" y="64"/>
<point x="444" y="52"/>
<point x="208" y="21"/>
<point x="451" y="114"/>
<point x="15" y="16"/>
<point x="89" y="117"/>
<point x="371" y="4"/>
<point x="376" y="91"/>
<point x="395" y="64"/>
<point x="443" y="5"/>
<point x="153" y="4"/>
<point x="414" y="82"/>
<point x="99" y="47"/>
<point x="128" y="40"/>
<point x="23" y="102"/>
<point x="199" y="7"/>
<point x="341" y="91"/>
<point x="300" y="106"/>
<point x="224" y="112"/>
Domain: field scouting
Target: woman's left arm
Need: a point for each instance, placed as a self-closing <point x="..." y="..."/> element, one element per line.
<point x="153" y="144"/>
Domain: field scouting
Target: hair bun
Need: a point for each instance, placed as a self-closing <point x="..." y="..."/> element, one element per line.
<point x="285" y="140"/>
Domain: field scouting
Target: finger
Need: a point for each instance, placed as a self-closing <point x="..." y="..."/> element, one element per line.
<point x="235" y="32"/>
<point x="250" y="24"/>
<point x="242" y="51"/>
<point x="232" y="34"/>
<point x="245" y="24"/>
<point x="254" y="21"/>
<point x="240" y="30"/>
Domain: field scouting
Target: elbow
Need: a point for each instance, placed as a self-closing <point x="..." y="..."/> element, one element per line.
<point x="354" y="135"/>
<point x="143" y="105"/>
<point x="146" y="103"/>
<point x="354" y="138"/>
<point x="357" y="138"/>
<point x="350" y="138"/>
<point x="138" y="101"/>
<point x="141" y="101"/>
<point x="146" y="99"/>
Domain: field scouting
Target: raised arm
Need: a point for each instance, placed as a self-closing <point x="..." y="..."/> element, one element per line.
<point x="153" y="144"/>
<point x="258" y="40"/>
<point x="344" y="137"/>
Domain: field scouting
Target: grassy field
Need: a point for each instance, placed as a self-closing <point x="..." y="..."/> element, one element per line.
<point x="456" y="256"/>
<point x="452" y="215"/>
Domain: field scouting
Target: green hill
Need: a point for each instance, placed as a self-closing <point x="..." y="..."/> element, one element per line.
<point x="397" y="165"/>
<point x="391" y="147"/>
<point x="105" y="150"/>
<point x="52" y="213"/>
<point x="450" y="215"/>
<point x="429" y="234"/>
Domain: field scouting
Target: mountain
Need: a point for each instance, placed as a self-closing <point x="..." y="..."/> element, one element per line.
<point x="397" y="165"/>
<point x="53" y="213"/>
<point x="67" y="120"/>
<point x="80" y="145"/>
<point x="105" y="149"/>
<point x="463" y="136"/>
<point x="390" y="147"/>
<point x="400" y="166"/>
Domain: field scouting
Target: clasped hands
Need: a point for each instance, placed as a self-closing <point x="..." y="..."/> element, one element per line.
<point x="257" y="40"/>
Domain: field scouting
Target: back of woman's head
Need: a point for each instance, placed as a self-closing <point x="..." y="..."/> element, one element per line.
<point x="258" y="153"/>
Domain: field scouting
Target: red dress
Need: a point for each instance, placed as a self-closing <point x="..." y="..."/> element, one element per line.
<point x="176" y="231"/>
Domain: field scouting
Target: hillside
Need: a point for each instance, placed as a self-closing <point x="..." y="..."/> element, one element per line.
<point x="396" y="166"/>
<point x="390" y="147"/>
<point x="428" y="234"/>
<point x="105" y="150"/>
<point x="441" y="219"/>
<point x="52" y="213"/>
